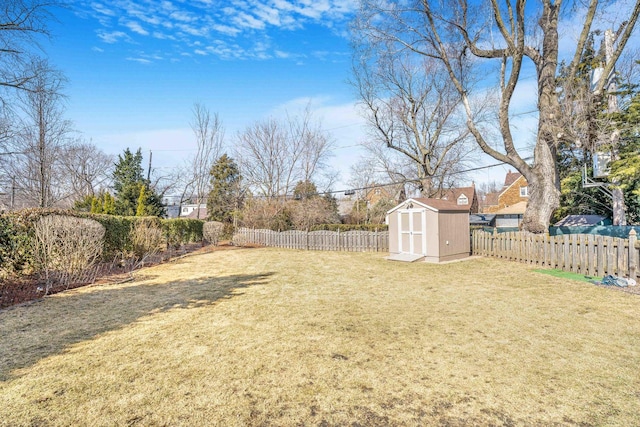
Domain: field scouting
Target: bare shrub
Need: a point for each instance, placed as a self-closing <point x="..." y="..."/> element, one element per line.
<point x="146" y="241"/>
<point x="272" y="214"/>
<point x="239" y="239"/>
<point x="211" y="231"/>
<point x="311" y="211"/>
<point x="67" y="249"/>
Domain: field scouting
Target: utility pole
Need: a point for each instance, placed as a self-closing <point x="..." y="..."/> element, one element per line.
<point x="619" y="217"/>
<point x="149" y="170"/>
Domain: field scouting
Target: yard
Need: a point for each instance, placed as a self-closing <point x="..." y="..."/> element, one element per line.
<point x="285" y="337"/>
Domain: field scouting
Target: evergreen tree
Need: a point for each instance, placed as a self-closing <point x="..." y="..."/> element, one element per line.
<point x="225" y="199"/>
<point x="96" y="205"/>
<point x="108" y="204"/>
<point x="305" y="190"/>
<point x="142" y="199"/>
<point x="84" y="205"/>
<point x="128" y="171"/>
<point x="128" y="181"/>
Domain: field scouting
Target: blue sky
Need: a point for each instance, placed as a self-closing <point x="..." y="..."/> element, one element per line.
<point x="136" y="68"/>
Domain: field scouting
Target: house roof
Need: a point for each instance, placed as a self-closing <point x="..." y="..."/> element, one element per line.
<point x="437" y="205"/>
<point x="491" y="199"/>
<point x="194" y="214"/>
<point x="582" y="220"/>
<point x="517" y="208"/>
<point x="511" y="177"/>
<point x="452" y="194"/>
<point x="481" y="219"/>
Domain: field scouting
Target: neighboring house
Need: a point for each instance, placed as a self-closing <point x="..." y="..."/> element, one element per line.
<point x="172" y="211"/>
<point x="485" y="220"/>
<point x="387" y="192"/>
<point x="462" y="196"/>
<point x="191" y="211"/>
<point x="514" y="191"/>
<point x="510" y="216"/>
<point x="583" y="221"/>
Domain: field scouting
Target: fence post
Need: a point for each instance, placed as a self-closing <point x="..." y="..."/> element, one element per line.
<point x="632" y="254"/>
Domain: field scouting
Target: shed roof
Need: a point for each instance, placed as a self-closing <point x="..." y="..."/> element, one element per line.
<point x="437" y="205"/>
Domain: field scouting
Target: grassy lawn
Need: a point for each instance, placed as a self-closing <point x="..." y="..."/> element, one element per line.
<point x="283" y="337"/>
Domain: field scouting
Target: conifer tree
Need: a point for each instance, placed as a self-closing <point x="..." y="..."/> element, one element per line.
<point x="128" y="181"/>
<point x="225" y="198"/>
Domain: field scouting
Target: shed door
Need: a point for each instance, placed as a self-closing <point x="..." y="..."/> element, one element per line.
<point x="411" y="233"/>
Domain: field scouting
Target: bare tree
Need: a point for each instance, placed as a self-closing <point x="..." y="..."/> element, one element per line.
<point x="87" y="169"/>
<point x="42" y="135"/>
<point x="412" y="108"/>
<point x="210" y="139"/>
<point x="315" y="146"/>
<point x="22" y="23"/>
<point x="512" y="37"/>
<point x="274" y="155"/>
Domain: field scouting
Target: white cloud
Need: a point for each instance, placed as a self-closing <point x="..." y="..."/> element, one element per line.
<point x="247" y="21"/>
<point x="238" y="21"/>
<point x="113" y="36"/>
<point x="269" y="15"/>
<point x="136" y="28"/>
<point x="226" y="29"/>
<point x="183" y="16"/>
<point x="140" y="60"/>
<point x="102" y="9"/>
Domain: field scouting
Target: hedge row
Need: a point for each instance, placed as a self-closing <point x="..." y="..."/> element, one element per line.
<point x="17" y="235"/>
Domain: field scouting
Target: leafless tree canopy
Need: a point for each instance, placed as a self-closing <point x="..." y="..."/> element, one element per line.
<point x="194" y="177"/>
<point x="503" y="38"/>
<point x="40" y="139"/>
<point x="413" y="109"/>
<point x="87" y="169"/>
<point x="209" y="135"/>
<point x="274" y="155"/>
<point x="22" y="23"/>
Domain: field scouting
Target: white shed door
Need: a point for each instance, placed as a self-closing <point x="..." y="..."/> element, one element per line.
<point x="411" y="233"/>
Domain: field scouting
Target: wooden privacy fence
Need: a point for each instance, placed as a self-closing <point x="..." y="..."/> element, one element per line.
<point x="586" y="254"/>
<point x="351" y="241"/>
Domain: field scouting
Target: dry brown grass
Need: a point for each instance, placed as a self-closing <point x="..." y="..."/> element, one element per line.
<point x="276" y="337"/>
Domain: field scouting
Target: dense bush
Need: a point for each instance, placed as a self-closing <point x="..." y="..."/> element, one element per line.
<point x="180" y="231"/>
<point x="16" y="250"/>
<point x="17" y="235"/>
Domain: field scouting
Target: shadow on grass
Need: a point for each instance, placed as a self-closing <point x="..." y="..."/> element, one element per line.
<point x="47" y="327"/>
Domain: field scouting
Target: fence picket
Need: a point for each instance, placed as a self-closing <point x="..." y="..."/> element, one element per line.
<point x="371" y="241"/>
<point x="583" y="254"/>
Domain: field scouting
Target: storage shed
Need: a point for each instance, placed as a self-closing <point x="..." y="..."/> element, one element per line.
<point x="433" y="229"/>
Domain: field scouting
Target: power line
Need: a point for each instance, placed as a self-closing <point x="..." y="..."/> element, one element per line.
<point x="405" y="181"/>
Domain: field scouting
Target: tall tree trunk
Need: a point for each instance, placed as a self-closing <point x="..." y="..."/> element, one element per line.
<point x="542" y="177"/>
